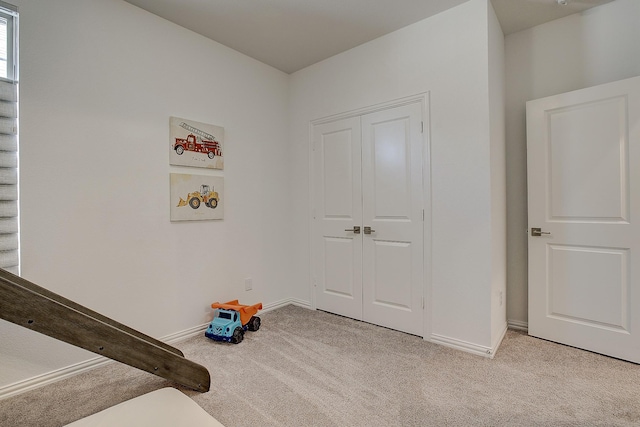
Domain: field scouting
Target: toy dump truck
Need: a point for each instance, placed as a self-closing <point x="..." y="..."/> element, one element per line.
<point x="231" y="320"/>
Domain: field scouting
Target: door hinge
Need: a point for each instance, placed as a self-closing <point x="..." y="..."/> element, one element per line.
<point x="421" y="127"/>
<point x="422" y="215"/>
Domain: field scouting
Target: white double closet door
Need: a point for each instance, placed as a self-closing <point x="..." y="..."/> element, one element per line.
<point x="368" y="251"/>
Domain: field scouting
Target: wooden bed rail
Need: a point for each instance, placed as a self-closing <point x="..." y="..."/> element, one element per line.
<point x="33" y="307"/>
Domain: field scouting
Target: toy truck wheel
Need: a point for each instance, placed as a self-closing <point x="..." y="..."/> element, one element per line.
<point x="213" y="203"/>
<point x="254" y="323"/>
<point x="211" y="155"/>
<point x="194" y="203"/>
<point x="238" y="335"/>
<point x="179" y="149"/>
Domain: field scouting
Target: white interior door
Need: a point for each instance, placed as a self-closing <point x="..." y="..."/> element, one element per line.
<point x="393" y="274"/>
<point x="368" y="173"/>
<point x="337" y="251"/>
<point x="584" y="195"/>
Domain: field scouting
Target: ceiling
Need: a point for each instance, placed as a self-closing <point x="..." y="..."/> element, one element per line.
<point x="292" y="34"/>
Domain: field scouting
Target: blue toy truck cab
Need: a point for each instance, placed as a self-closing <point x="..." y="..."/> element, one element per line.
<point x="226" y="326"/>
<point x="231" y="319"/>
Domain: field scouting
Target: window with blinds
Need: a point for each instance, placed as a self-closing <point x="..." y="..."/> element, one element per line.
<point x="9" y="222"/>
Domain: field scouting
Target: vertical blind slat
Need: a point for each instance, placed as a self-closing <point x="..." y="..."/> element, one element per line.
<point x="8" y="176"/>
<point x="8" y="91"/>
<point x="8" y="192"/>
<point x="8" y="142"/>
<point x="8" y="225"/>
<point x="8" y="242"/>
<point x="8" y="109"/>
<point x="8" y="126"/>
<point x="14" y="270"/>
<point x="8" y="209"/>
<point x="9" y="258"/>
<point x="8" y="159"/>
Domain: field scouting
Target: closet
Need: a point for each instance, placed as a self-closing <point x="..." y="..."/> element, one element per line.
<point x="368" y="215"/>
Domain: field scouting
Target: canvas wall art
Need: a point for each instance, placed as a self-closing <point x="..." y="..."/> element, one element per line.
<point x="196" y="144"/>
<point x="196" y="197"/>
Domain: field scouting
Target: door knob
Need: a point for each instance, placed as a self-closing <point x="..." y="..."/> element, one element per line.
<point x="368" y="230"/>
<point x="355" y="229"/>
<point x="535" y="232"/>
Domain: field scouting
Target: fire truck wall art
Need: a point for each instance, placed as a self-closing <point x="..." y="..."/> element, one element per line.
<point x="196" y="197"/>
<point x="196" y="144"/>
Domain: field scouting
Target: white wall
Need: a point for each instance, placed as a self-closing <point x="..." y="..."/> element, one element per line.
<point x="99" y="80"/>
<point x="446" y="55"/>
<point x="498" y="179"/>
<point x="598" y="46"/>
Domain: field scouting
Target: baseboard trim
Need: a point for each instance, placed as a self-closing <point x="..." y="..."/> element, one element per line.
<point x="183" y="335"/>
<point x="465" y="346"/>
<point x="301" y="303"/>
<point x="518" y="325"/>
<point x="283" y="303"/>
<point x="78" y="368"/>
<point x="51" y="377"/>
<point x="497" y="343"/>
<point x="468" y="347"/>
<point x="274" y="305"/>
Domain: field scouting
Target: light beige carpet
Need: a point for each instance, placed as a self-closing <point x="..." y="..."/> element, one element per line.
<point x="309" y="368"/>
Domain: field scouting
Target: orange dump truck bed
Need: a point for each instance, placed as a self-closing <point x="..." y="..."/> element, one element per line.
<point x="246" y="311"/>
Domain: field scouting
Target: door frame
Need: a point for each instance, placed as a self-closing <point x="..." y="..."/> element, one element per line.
<point x="424" y="100"/>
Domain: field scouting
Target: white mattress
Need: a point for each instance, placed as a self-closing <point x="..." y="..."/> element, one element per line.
<point x="165" y="407"/>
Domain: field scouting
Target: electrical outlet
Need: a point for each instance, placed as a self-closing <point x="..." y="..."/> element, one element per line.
<point x="248" y="284"/>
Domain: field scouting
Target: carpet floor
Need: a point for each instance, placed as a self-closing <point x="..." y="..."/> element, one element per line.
<point x="310" y="368"/>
